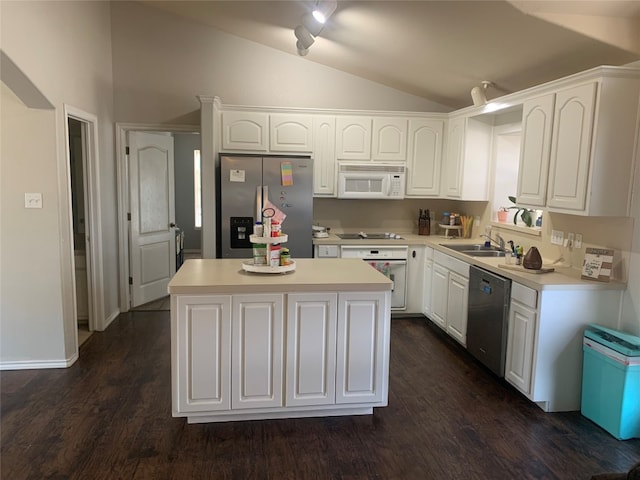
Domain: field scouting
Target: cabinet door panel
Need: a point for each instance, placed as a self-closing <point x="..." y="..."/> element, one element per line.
<point x="311" y="349"/>
<point x="571" y="147"/>
<point x="353" y="138"/>
<point x="244" y="131"/>
<point x="452" y="168"/>
<point x="201" y="338"/>
<point x="439" y="294"/>
<point x="290" y="133"/>
<point x="535" y="150"/>
<point x="258" y="341"/>
<point x="457" y="307"/>
<point x="324" y="156"/>
<point x="424" y="157"/>
<point x="519" y="361"/>
<point x="389" y="139"/>
<point x="361" y="370"/>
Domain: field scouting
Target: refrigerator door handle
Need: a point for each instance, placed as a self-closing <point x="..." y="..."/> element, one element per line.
<point x="265" y="195"/>
<point x="258" y="203"/>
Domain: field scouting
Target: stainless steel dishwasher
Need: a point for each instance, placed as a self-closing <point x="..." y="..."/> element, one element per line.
<point x="488" y="318"/>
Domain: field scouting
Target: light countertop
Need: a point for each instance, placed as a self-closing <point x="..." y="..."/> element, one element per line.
<point x="226" y="276"/>
<point x="563" y="278"/>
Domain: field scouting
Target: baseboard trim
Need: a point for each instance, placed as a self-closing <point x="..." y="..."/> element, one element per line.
<point x="110" y="319"/>
<point x="39" y="364"/>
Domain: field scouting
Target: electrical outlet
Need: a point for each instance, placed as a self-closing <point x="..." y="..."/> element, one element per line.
<point x="578" y="241"/>
<point x="557" y="237"/>
<point x="570" y="239"/>
<point x="32" y="200"/>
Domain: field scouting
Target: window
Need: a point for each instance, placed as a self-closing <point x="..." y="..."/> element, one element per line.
<point x="197" y="189"/>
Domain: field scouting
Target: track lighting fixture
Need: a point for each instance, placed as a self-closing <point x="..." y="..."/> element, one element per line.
<point x="312" y="24"/>
<point x="479" y="93"/>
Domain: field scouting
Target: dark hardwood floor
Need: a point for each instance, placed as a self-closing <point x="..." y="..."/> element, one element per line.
<point x="109" y="417"/>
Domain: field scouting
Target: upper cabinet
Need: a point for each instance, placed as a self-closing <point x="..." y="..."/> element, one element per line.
<point x="245" y="131"/>
<point x="466" y="163"/>
<point x="353" y="138"/>
<point x="371" y="138"/>
<point x="324" y="155"/>
<point x="389" y="139"/>
<point x="290" y="132"/>
<point x="424" y="157"/>
<point x="578" y="147"/>
<point x="535" y="148"/>
<point x="263" y="132"/>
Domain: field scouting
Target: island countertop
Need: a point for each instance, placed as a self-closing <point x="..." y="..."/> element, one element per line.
<point x="208" y="276"/>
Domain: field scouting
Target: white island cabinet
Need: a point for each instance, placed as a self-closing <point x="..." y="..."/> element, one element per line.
<point x="312" y="342"/>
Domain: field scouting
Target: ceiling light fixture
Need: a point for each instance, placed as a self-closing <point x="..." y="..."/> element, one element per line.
<point x="323" y="10"/>
<point x="312" y="24"/>
<point x="479" y="94"/>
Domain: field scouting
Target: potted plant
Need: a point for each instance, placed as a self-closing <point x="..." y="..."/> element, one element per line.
<point x="525" y="213"/>
<point x="503" y="213"/>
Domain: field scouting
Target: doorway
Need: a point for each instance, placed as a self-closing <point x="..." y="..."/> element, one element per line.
<point x="84" y="214"/>
<point x="130" y="259"/>
<point x="77" y="159"/>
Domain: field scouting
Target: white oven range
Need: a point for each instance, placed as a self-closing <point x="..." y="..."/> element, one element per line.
<point x="391" y="260"/>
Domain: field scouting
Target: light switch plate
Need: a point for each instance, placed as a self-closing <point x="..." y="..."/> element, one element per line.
<point x="578" y="241"/>
<point x="32" y="200"/>
<point x="557" y="237"/>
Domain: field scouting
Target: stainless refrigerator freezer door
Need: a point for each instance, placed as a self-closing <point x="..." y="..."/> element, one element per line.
<point x="296" y="200"/>
<point x="239" y="177"/>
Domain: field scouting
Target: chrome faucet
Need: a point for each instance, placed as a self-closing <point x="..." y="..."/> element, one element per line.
<point x="498" y="241"/>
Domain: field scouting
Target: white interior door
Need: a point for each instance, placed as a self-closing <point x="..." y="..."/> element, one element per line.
<point x="152" y="243"/>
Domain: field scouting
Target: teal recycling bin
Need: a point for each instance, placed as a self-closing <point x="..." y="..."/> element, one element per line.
<point x="611" y="381"/>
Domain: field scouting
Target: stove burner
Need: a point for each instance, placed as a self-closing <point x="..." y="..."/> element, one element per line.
<point x="369" y="236"/>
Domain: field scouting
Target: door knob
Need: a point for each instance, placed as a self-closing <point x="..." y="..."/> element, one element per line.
<point x="171" y="225"/>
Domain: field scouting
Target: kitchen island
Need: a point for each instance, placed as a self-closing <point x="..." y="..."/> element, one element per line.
<point x="311" y="342"/>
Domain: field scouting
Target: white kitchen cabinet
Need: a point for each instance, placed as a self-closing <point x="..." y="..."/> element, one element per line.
<point x="544" y="344"/>
<point x="353" y="138"/>
<point x="311" y="348"/>
<point x="449" y="295"/>
<point x="415" y="279"/>
<point x="465" y="170"/>
<point x="570" y="147"/>
<point x="243" y="357"/>
<point x="587" y="159"/>
<point x="202" y="344"/>
<point x="535" y="150"/>
<point x="424" y="157"/>
<point x="389" y="139"/>
<point x="439" y="295"/>
<point x="291" y="132"/>
<point x="245" y="131"/>
<point x="521" y="337"/>
<point x="457" y="306"/>
<point x="324" y="156"/>
<point x="257" y="351"/>
<point x="362" y="368"/>
<point x="427" y="282"/>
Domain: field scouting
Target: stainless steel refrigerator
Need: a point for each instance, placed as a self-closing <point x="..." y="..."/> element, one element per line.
<point x="244" y="185"/>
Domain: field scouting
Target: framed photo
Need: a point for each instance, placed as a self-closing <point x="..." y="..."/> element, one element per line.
<point x="597" y="264"/>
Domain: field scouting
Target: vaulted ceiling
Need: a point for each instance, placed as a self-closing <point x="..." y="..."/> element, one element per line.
<point x="441" y="49"/>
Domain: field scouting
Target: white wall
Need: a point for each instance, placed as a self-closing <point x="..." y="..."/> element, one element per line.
<point x="64" y="48"/>
<point x="161" y="62"/>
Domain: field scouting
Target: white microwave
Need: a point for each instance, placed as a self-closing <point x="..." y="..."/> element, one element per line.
<point x="371" y="180"/>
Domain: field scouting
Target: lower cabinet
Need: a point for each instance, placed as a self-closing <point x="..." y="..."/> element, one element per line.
<point x="544" y="345"/>
<point x="278" y="355"/>
<point x="449" y="295"/>
<point x="521" y="337"/>
<point x="427" y="281"/>
<point x="257" y="334"/>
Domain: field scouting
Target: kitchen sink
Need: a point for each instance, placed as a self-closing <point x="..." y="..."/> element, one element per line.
<point x="484" y="253"/>
<point x="475" y="249"/>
